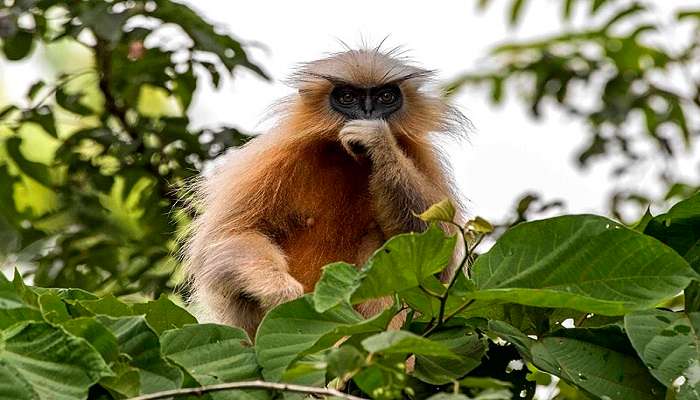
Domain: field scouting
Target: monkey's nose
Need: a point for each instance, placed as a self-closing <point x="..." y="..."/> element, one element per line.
<point x="368" y="108"/>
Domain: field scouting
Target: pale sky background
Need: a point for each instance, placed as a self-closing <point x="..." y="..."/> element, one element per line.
<point x="508" y="152"/>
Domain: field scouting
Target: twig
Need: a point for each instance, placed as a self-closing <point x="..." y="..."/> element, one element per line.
<point x="441" y="319"/>
<point x="258" y="384"/>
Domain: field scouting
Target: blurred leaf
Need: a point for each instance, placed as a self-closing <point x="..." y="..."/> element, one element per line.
<point x="18" y="46"/>
<point x="516" y="8"/>
<point x="71" y="102"/>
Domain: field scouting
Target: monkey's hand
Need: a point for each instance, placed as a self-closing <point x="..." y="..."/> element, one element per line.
<point x="284" y="288"/>
<point x="363" y="137"/>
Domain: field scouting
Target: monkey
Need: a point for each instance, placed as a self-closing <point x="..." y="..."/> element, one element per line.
<point x="348" y="163"/>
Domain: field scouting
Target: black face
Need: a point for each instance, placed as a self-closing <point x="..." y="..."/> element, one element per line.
<point x="366" y="103"/>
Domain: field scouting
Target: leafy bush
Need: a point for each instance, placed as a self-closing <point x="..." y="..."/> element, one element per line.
<point x="92" y="165"/>
<point x="491" y="333"/>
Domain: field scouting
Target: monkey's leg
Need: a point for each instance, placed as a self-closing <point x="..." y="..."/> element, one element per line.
<point x="241" y="277"/>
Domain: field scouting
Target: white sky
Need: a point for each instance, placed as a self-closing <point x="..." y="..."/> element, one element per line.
<point x="508" y="153"/>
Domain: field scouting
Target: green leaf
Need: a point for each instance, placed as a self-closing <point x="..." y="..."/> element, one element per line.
<point x="479" y="225"/>
<point x="516" y="9"/>
<point x="668" y="343"/>
<point x="105" y="24"/>
<point x="463" y="342"/>
<point x="163" y="314"/>
<point x="42" y="116"/>
<point x="13" y="308"/>
<point x="345" y="361"/>
<point x="294" y="327"/>
<point x="403" y="262"/>
<point x="597" y="361"/>
<point x="37" y="171"/>
<point x="53" y="309"/>
<point x="71" y="102"/>
<point x="404" y="342"/>
<point x="214" y="354"/>
<point x="567" y="9"/>
<point x="679" y="228"/>
<point x="107" y="305"/>
<point x="512" y="335"/>
<point x="583" y="262"/>
<point x="137" y="340"/>
<point x="338" y="282"/>
<point x="18" y="46"/>
<point x="443" y="211"/>
<point x="385" y="379"/>
<point x="96" y="334"/>
<point x="56" y="364"/>
<point x="34" y="89"/>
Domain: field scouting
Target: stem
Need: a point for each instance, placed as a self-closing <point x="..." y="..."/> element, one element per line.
<point x="443" y="298"/>
<point x="468" y="251"/>
<point x="247" y="385"/>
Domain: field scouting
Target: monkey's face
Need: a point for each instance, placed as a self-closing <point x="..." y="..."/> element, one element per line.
<point x="366" y="103"/>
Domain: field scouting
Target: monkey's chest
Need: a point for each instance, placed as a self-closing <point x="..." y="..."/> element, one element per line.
<point x="329" y="218"/>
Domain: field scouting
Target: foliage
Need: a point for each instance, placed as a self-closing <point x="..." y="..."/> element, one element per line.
<point x="492" y="332"/>
<point x="624" y="55"/>
<point x="91" y="173"/>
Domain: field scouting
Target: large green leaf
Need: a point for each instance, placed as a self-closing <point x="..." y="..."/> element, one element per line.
<point x="214" y="354"/>
<point x="599" y="361"/>
<point x="668" y="343"/>
<point x="139" y="342"/>
<point x="404" y="262"/>
<point x="583" y="262"/>
<point x="294" y="327"/>
<point x="54" y="363"/>
<point x="14" y="308"/>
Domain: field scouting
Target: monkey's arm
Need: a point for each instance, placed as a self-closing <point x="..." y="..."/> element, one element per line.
<point x="398" y="187"/>
<point x="246" y="265"/>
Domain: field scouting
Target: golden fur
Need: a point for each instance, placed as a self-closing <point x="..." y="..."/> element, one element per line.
<point x="295" y="198"/>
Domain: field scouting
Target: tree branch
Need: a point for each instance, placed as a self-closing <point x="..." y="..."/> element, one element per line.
<point x="258" y="384"/>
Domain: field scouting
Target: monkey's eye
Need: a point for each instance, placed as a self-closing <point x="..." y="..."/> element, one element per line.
<point x="346" y="98"/>
<point x="387" y="97"/>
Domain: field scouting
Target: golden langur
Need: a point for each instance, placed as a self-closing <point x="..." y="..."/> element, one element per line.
<point x="349" y="161"/>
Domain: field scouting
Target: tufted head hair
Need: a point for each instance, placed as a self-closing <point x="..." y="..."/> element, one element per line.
<point x="423" y="111"/>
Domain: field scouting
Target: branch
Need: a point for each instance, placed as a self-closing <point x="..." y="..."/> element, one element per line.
<point x="247" y="385"/>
